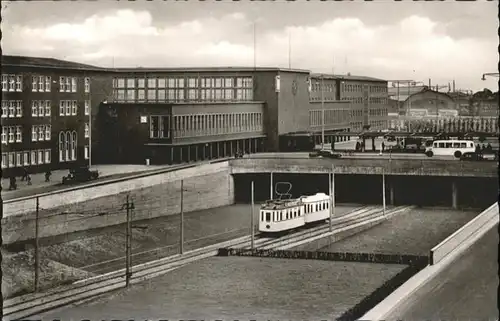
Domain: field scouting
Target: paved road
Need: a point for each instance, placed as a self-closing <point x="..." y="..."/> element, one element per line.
<point x="367" y="155"/>
<point x="466" y="290"/>
<point x="106" y="173"/>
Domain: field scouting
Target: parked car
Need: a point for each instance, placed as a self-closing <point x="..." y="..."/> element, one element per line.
<point x="325" y="153"/>
<point x="478" y="157"/>
<point x="80" y="174"/>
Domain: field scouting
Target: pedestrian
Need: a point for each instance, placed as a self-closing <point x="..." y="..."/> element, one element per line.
<point x="47" y="175"/>
<point x="25" y="174"/>
<point x="358" y="146"/>
<point x="12" y="183"/>
<point x="383" y="146"/>
<point x="28" y="179"/>
<point x="489" y="148"/>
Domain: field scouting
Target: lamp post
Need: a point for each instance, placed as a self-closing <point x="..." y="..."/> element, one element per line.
<point x="322" y="113"/>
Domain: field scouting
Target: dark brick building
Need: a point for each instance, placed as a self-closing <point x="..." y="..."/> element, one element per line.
<point x="45" y="113"/>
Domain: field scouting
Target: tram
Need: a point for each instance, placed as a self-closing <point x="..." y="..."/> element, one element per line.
<point x="286" y="214"/>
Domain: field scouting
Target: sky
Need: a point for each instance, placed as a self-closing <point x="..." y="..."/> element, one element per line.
<point x="441" y="41"/>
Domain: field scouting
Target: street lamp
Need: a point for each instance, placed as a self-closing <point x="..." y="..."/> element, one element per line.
<point x="491" y="74"/>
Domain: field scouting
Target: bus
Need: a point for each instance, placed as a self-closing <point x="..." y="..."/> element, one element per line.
<point x="450" y="147"/>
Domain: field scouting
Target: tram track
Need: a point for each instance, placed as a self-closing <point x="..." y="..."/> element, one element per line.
<point x="36" y="303"/>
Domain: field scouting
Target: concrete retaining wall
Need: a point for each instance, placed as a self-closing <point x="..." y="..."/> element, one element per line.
<point x="444" y="248"/>
<point x="206" y="186"/>
<point x="427" y="167"/>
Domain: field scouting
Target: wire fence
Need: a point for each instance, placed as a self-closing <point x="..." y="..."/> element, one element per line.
<point x="89" y="238"/>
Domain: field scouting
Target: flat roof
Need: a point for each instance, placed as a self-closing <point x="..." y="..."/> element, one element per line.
<point x="205" y="69"/>
<point x="41" y="62"/>
<point x="346" y="77"/>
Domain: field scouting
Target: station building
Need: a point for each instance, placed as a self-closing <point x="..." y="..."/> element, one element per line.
<point x="173" y="115"/>
<point x="45" y="113"/>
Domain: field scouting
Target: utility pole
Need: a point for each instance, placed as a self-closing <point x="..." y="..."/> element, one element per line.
<point x="333" y="197"/>
<point x="252" y="219"/>
<point x="128" y="273"/>
<point x="322" y="113"/>
<point x="383" y="191"/>
<point x="37" y="250"/>
<point x="181" y="240"/>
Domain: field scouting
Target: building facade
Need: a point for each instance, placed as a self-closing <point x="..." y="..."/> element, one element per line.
<point x="57" y="114"/>
<point x="45" y="114"/>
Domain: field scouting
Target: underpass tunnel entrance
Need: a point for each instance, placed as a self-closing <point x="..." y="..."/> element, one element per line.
<point x="425" y="191"/>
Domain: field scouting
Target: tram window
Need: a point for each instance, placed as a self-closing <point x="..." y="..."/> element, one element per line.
<point x="435" y="145"/>
<point x="281" y="216"/>
<point x="448" y="145"/>
<point x="463" y="145"/>
<point x="268" y="216"/>
<point x="316" y="207"/>
<point x="327" y="205"/>
<point x="456" y="145"/>
<point x="441" y="145"/>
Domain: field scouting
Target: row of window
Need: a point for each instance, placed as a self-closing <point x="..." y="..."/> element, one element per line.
<point x="67" y="146"/>
<point x="26" y="158"/>
<point x="180" y="95"/>
<point x="378" y="112"/>
<point x="42" y="83"/>
<point x="372" y="100"/>
<point x="332" y="117"/>
<point x="69" y="84"/>
<point x="12" y="83"/>
<point x="41" y="108"/>
<point x="359" y="88"/>
<point x="40" y="132"/>
<point x="216" y="124"/>
<point x="378" y="123"/>
<point x="287" y="214"/>
<point x="12" y="108"/>
<point x="182" y="82"/>
<point x="12" y="134"/>
<point x="316" y="87"/>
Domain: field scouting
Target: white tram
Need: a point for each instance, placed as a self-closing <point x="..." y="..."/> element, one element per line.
<point x="285" y="214"/>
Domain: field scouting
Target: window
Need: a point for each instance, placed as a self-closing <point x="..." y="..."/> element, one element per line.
<point x="154" y="127"/>
<point x="11" y="134"/>
<point x="26" y="158"/>
<point x="40" y="157"/>
<point x="34" y="83"/>
<point x="87" y="84"/>
<point x="141" y="83"/>
<point x="47" y="108"/>
<point x="151" y="94"/>
<point x="192" y="82"/>
<point x="19" y="108"/>
<point x="33" y="157"/>
<point x="4" y="82"/>
<point x="34" y="133"/>
<point x="19" y="134"/>
<point x="5" y="132"/>
<point x="151" y="82"/>
<point x="41" y="108"/>
<point x="62" y="107"/>
<point x="12" y="108"/>
<point x="73" y="84"/>
<point x="161" y="83"/>
<point x="62" y="84"/>
<point x="86" y="130"/>
<point x="47" y="156"/>
<point x="62" y="144"/>
<point x="87" y="107"/>
<point x="130" y="83"/>
<point x="4" y="160"/>
<point x="140" y="94"/>
<point x="19" y="161"/>
<point x="67" y="147"/>
<point x="47" y="83"/>
<point x="12" y="83"/>
<point x="41" y="83"/>
<point x="456" y="145"/>
<point x="120" y="83"/>
<point x="86" y="152"/>
<point x="41" y="132"/>
<point x="5" y="108"/>
<point x="12" y="160"/>
<point x="47" y="132"/>
<point x="74" y="107"/>
<point x="73" y="145"/>
<point x="68" y="107"/>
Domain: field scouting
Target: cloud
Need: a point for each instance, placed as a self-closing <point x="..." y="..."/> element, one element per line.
<point x="391" y="51"/>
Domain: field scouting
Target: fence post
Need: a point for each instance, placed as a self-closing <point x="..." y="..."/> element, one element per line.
<point x="37" y="250"/>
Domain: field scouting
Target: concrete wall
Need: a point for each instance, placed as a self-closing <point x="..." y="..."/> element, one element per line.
<point x="206" y="186"/>
<point x="364" y="166"/>
<point x="482" y="222"/>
